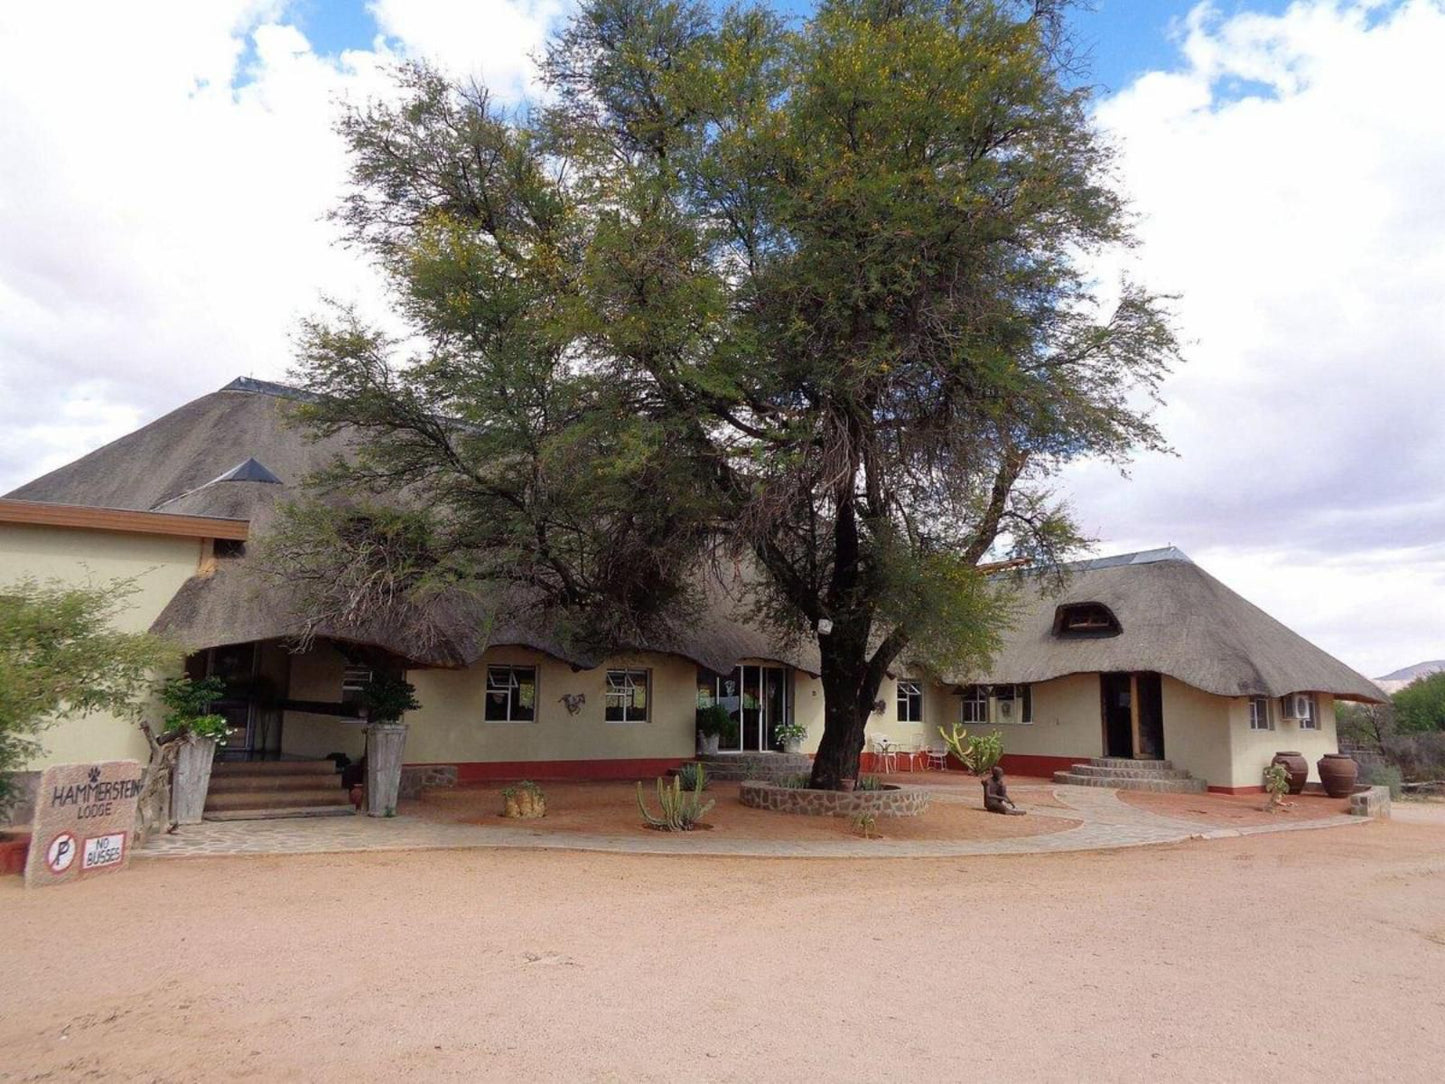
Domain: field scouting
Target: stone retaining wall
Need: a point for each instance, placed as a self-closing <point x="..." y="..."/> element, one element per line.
<point x="1370" y="802"/>
<point x="414" y="777"/>
<point x="890" y="802"/>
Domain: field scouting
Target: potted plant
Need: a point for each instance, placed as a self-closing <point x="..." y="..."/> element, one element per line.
<point x="189" y="721"/>
<point x="384" y="700"/>
<point x="790" y="735"/>
<point x="714" y="724"/>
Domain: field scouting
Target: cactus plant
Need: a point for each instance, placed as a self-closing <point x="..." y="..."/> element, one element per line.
<point x="681" y="810"/>
<point x="977" y="754"/>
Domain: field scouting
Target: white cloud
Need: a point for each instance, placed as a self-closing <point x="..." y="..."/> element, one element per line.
<point x="492" y="40"/>
<point x="165" y="173"/>
<point x="1288" y="181"/>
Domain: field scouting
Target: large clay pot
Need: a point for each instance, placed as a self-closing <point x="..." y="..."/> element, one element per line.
<point x="1298" y="768"/>
<point x="1338" y="772"/>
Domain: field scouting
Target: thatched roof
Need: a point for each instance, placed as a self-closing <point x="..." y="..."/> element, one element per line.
<point x="1174" y="618"/>
<point x="232" y="454"/>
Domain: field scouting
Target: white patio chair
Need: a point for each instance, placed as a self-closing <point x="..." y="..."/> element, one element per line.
<point x="937" y="759"/>
<point x="884" y="753"/>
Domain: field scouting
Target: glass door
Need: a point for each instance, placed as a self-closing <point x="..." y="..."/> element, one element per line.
<point x="756" y="697"/>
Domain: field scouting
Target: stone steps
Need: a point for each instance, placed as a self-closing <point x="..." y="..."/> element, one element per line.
<point x="770" y="767"/>
<point x="1121" y="773"/>
<point x="265" y="790"/>
<point x="279" y="814"/>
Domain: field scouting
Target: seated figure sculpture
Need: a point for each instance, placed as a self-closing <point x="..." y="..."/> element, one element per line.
<point x="995" y="795"/>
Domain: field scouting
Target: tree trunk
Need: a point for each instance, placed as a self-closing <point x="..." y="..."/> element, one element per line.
<point x="849" y="691"/>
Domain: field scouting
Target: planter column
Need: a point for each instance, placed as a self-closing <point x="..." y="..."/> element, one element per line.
<point x="192" y="779"/>
<point x="385" y="743"/>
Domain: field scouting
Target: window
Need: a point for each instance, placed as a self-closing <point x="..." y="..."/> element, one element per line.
<point x="353" y="680"/>
<point x="910" y="701"/>
<point x="1083" y="619"/>
<point x="974" y="708"/>
<point x="1259" y="713"/>
<point x="1014" y="704"/>
<point x="511" y="694"/>
<point x="627" y="696"/>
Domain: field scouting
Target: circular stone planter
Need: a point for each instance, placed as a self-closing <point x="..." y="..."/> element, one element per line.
<point x="891" y="801"/>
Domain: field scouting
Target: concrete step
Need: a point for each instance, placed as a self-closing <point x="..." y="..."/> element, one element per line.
<point x="1164" y="786"/>
<point x="1130" y="762"/>
<point x="1103" y="772"/>
<point x="273" y="799"/>
<point x="273" y="767"/>
<point x="235" y="783"/>
<point x="279" y="813"/>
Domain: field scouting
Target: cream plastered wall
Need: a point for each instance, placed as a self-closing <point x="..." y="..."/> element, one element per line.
<point x="1066" y="722"/>
<point x="940" y="709"/>
<point x="158" y="564"/>
<point x="316" y="675"/>
<point x="450" y="728"/>
<point x="1253" y="749"/>
<point x="1198" y="733"/>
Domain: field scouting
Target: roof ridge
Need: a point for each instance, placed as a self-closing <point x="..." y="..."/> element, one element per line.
<point x="251" y="386"/>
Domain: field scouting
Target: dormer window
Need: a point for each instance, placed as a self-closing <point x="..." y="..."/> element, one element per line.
<point x="1083" y="619"/>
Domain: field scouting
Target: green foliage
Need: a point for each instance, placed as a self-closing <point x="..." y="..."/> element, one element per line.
<point x="869" y="782"/>
<point x="978" y="754"/>
<point x="60" y="653"/>
<point x="387" y="697"/>
<point x="692" y="776"/>
<point x="522" y="786"/>
<point x="714" y="721"/>
<point x="795" y="782"/>
<point x="1276" y="781"/>
<point x="1420" y="757"/>
<point x="680" y="810"/>
<point x="865" y="824"/>
<point x="1383" y="775"/>
<point x="789" y="733"/>
<point x="814" y="296"/>
<point x="188" y="707"/>
<point x="1420" y="705"/>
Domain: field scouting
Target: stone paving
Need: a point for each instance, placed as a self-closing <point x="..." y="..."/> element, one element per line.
<point x="1107" y="823"/>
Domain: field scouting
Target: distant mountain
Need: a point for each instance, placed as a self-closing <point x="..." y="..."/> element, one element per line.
<point x="1397" y="680"/>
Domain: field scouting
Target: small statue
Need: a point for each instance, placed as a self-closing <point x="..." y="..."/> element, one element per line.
<point x="573" y="702"/>
<point x="995" y="795"/>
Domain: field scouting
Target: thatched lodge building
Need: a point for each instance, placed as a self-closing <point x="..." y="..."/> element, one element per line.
<point x="1139" y="656"/>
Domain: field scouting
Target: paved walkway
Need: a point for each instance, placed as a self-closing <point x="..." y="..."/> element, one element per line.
<point x="1107" y="823"/>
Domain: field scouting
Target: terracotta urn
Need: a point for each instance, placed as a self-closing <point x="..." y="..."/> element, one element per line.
<point x="1338" y="772"/>
<point x="847" y="784"/>
<point x="1298" y="768"/>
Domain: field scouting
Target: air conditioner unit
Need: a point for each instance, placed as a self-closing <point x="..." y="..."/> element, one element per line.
<point x="1296" y="706"/>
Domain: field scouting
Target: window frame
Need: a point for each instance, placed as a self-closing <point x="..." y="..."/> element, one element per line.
<point x="627" y="674"/>
<point x="1020" y="693"/>
<point x="904" y="699"/>
<point x="974" y="696"/>
<point x="513" y="695"/>
<point x="352" y="683"/>
<point x="1255" y="702"/>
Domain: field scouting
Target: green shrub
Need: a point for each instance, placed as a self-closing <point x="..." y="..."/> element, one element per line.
<point x="978" y="754"/>
<point x="869" y="782"/>
<point x="387" y="698"/>
<point x="714" y="720"/>
<point x="1420" y="757"/>
<point x="693" y="777"/>
<point x="1383" y="775"/>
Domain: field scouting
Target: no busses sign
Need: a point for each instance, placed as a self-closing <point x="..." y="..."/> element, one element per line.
<point x="84" y="818"/>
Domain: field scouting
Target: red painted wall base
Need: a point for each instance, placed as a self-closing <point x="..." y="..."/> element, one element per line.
<point x="1041" y="766"/>
<point x="498" y="771"/>
<point x="13" y="851"/>
<point x="1236" y="790"/>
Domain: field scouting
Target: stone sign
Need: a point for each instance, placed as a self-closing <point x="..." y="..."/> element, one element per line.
<point x="84" y="820"/>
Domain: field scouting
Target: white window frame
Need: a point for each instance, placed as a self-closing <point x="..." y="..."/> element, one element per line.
<point x="1260" y="705"/>
<point x="353" y="680"/>
<point x="975" y="696"/>
<point x="621" y="685"/>
<point x="908" y="690"/>
<point x="511" y="672"/>
<point x="1020" y="695"/>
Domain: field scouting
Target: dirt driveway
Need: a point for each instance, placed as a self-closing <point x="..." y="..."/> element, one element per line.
<point x="1300" y="956"/>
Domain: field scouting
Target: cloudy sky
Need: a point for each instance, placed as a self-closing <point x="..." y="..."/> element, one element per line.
<point x="165" y="167"/>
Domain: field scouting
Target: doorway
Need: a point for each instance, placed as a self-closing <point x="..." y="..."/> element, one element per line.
<point x="1133" y="710"/>
<point x="1117" y="690"/>
<point x="755" y="696"/>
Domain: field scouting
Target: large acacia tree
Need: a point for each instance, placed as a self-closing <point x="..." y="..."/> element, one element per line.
<point x="812" y="298"/>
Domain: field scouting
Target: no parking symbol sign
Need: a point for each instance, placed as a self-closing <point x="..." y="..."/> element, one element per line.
<point x="84" y="817"/>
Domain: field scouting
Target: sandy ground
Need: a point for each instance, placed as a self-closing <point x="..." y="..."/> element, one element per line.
<point x="1300" y="956"/>
<point x="1234" y="810"/>
<point x="611" y="809"/>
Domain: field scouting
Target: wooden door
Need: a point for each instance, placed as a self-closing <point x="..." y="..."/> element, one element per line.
<point x="1116" y="691"/>
<point x="1151" y="715"/>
